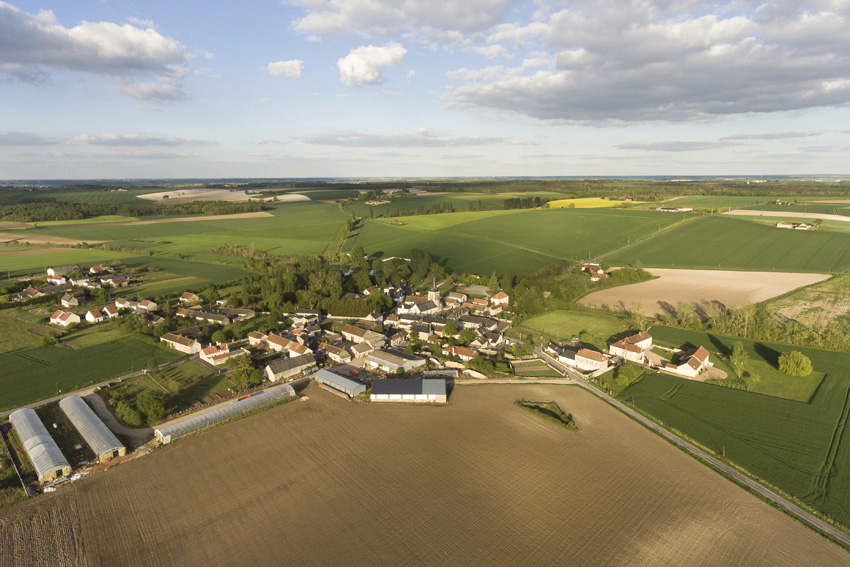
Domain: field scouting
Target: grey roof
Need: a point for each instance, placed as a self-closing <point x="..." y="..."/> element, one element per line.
<point x="427" y="306"/>
<point x="428" y="386"/>
<point x="284" y="364"/>
<point x="39" y="445"/>
<point x="91" y="428"/>
<point x="332" y="378"/>
<point x="203" y="420"/>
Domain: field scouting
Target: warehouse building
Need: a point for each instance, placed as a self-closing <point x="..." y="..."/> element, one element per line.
<point x="340" y="383"/>
<point x="287" y="368"/>
<point x="203" y="420"/>
<point x="393" y="362"/>
<point x="423" y="390"/>
<point x="44" y="453"/>
<point x="95" y="433"/>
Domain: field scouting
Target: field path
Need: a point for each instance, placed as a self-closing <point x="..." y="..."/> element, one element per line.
<point x="701" y="455"/>
<point x="651" y="236"/>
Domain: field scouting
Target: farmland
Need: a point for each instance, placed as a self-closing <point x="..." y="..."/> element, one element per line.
<point x="563" y="325"/>
<point x="825" y="301"/>
<point x="737" y="244"/>
<point x="511" y="487"/>
<point x="800" y="448"/>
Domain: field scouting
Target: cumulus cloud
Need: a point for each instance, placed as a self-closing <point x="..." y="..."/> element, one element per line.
<point x="34" y="45"/>
<point x="8" y="138"/>
<point x="421" y="138"/>
<point x="134" y="140"/>
<point x="621" y="62"/>
<point x="290" y="69"/>
<point x="382" y="18"/>
<point x="156" y="92"/>
<point x="364" y="65"/>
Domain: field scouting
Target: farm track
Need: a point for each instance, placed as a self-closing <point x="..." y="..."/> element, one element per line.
<point x="821" y="480"/>
<point x="477" y="482"/>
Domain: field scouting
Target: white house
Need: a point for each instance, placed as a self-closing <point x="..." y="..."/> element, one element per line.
<point x="501" y="298"/>
<point x="627" y="351"/>
<point x="94" y="316"/>
<point x="691" y="363"/>
<point x="590" y="360"/>
<point x="62" y="270"/>
<point x="147" y="305"/>
<point x="64" y="318"/>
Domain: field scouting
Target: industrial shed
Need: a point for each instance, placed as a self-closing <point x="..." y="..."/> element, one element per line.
<point x="44" y="453"/>
<point x="288" y="368"/>
<point x="423" y="390"/>
<point x="95" y="433"/>
<point x="200" y="421"/>
<point x="340" y="383"/>
<point x="394" y="362"/>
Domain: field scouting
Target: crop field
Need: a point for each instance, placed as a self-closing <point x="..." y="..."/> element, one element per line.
<point x="33" y="261"/>
<point x="75" y="196"/>
<point x="91" y="220"/>
<point x="801" y="448"/>
<point x="825" y="301"/>
<point x="41" y="372"/>
<point x="519" y="241"/>
<point x="461" y="202"/>
<point x="841" y="209"/>
<point x="735" y="244"/>
<point x="479" y="482"/>
<point x="588" y="203"/>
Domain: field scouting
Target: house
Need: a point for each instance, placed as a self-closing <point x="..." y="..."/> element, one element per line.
<point x="340" y="383"/>
<point x="94" y="316"/>
<point x="297" y="349"/>
<point x="56" y="280"/>
<point x="501" y="298"/>
<point x="288" y="368"/>
<point x="463" y="353"/>
<point x="375" y="317"/>
<point x="642" y="340"/>
<point x="590" y="360"/>
<point x="306" y="317"/>
<point x="62" y="270"/>
<point x="29" y="293"/>
<point x="200" y="315"/>
<point x="691" y="362"/>
<point x="480" y="304"/>
<point x="79" y="281"/>
<point x="425" y="308"/>
<point x="627" y="351"/>
<point x="360" y="335"/>
<point x="181" y="343"/>
<point x="147" y="305"/>
<point x="189" y="298"/>
<point x="122" y="303"/>
<point x="370" y="290"/>
<point x="73" y="299"/>
<point x="362" y="349"/>
<point x="100" y="269"/>
<point x="278" y="343"/>
<point x="420" y="390"/>
<point x="399" y="338"/>
<point x="337" y="354"/>
<point x="456" y="298"/>
<point x="595" y="271"/>
<point x="110" y="311"/>
<point x="393" y="362"/>
<point x="219" y="354"/>
<point x="64" y="318"/>
<point x="257" y="339"/>
<point x="784" y="224"/>
<point x="804" y="226"/>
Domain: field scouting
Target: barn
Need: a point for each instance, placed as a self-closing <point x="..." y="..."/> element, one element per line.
<point x="44" y="453"/>
<point x="340" y="383"/>
<point x="422" y="390"/>
<point x="102" y="441"/>
<point x="288" y="368"/>
<point x="203" y="420"/>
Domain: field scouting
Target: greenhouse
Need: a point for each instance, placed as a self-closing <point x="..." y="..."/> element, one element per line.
<point x="42" y="450"/>
<point x="95" y="433"/>
<point x="200" y="421"/>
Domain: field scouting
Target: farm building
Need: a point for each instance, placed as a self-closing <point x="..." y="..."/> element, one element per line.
<point x="95" y="433"/>
<point x="202" y="420"/>
<point x="627" y="351"/>
<point x="337" y="354"/>
<point x="62" y="270"/>
<point x="286" y="368"/>
<point x="424" y="390"/>
<point x="394" y="362"/>
<point x="360" y="335"/>
<point x="182" y="343"/>
<point x="340" y="383"/>
<point x="44" y="453"/>
<point x="590" y="360"/>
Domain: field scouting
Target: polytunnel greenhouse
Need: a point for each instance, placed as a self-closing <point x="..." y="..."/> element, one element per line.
<point x="44" y="453"/>
<point x="95" y="433"/>
<point x="203" y="420"/>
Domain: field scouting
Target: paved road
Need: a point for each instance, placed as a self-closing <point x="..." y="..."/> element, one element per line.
<point x="89" y="389"/>
<point x="702" y="455"/>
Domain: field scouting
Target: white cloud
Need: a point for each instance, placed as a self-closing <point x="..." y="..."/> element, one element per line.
<point x="421" y="138"/>
<point x="140" y="22"/>
<point x="291" y="69"/>
<point x="8" y="138"/>
<point x="134" y="140"/>
<point x="157" y="92"/>
<point x="34" y="45"/>
<point x="364" y="65"/>
<point x="262" y="142"/>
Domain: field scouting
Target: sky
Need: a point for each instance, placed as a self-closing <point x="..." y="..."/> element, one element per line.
<point x="423" y="88"/>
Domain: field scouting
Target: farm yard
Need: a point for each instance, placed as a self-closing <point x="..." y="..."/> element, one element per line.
<point x="700" y="288"/>
<point x="510" y="488"/>
<point x="727" y="243"/>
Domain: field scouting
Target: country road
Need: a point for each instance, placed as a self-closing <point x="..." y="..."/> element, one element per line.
<point x="768" y="494"/>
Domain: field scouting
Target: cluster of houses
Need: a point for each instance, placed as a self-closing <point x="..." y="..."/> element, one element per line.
<point x="795" y="225"/>
<point x="675" y="209"/>
<point x="65" y="278"/>
<point x="636" y="348"/>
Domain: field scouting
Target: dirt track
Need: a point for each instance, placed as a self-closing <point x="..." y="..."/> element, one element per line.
<point x="480" y="482"/>
<point x="699" y="287"/>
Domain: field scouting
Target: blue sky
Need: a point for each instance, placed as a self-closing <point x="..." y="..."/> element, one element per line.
<point x="388" y="88"/>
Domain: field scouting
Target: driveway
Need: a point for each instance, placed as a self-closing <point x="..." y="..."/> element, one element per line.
<point x="138" y="436"/>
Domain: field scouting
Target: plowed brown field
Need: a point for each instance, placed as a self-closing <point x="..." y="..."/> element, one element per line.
<point x="478" y="482"/>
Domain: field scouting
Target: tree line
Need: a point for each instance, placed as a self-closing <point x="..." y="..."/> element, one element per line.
<point x="48" y="209"/>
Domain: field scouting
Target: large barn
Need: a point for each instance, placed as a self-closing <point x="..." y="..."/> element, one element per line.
<point x="422" y="390"/>
<point x="44" y="453"/>
<point x="340" y="383"/>
<point x="102" y="441"/>
<point x="288" y="368"/>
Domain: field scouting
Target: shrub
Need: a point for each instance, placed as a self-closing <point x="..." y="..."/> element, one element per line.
<point x="152" y="404"/>
<point x="795" y="363"/>
<point x="129" y="415"/>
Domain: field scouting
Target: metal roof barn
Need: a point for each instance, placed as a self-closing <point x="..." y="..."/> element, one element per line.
<point x="340" y="383"/>
<point x="200" y="421"/>
<point x="95" y="433"/>
<point x="418" y="390"/>
<point x="44" y="453"/>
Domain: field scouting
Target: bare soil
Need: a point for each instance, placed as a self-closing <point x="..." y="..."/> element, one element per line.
<point x="700" y="288"/>
<point x="477" y="482"/>
<point x="12" y="225"/>
<point x="189" y="195"/>
<point x="257" y="214"/>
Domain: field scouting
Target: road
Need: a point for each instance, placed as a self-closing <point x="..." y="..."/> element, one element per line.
<point x="89" y="389"/>
<point x="702" y="455"/>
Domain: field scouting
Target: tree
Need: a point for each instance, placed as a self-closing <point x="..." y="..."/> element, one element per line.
<point x="152" y="404"/>
<point x="151" y="364"/>
<point x="450" y="329"/>
<point x="494" y="282"/>
<point x="129" y="414"/>
<point x="210" y="295"/>
<point x="218" y="337"/>
<point x="795" y="363"/>
<point x="626" y="375"/>
<point x="637" y="320"/>
<point x="738" y="358"/>
<point x="466" y="336"/>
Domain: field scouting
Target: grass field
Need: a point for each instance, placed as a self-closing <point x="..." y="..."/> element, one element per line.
<point x="91" y="220"/>
<point x="187" y="383"/>
<point x="561" y="326"/>
<point x="736" y="244"/>
<point x="38" y="262"/>
<point x="11" y="491"/>
<point x="37" y="373"/>
<point x="16" y="325"/>
<point x="478" y="482"/>
<point x="801" y="448"/>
